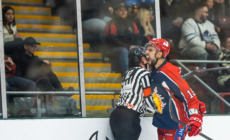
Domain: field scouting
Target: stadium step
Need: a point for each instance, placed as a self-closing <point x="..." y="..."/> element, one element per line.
<point x="61" y="47"/>
<point x="95" y="86"/>
<point x="88" y="67"/>
<point x="23" y="2"/>
<point x="43" y="28"/>
<point x="67" y="55"/>
<point x="90" y="77"/>
<point x="37" y="19"/>
<point x="97" y="105"/>
<point x="48" y="37"/>
<point x="29" y="10"/>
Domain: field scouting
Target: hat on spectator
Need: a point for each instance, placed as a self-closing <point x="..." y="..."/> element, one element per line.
<point x="119" y="5"/>
<point x="31" y="41"/>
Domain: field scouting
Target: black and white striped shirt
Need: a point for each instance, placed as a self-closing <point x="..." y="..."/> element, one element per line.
<point x="136" y="90"/>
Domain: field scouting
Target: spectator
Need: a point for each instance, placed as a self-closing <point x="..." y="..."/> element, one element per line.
<point x="220" y="7"/>
<point x="171" y="21"/>
<point x="212" y="14"/>
<point x="14" y="82"/>
<point x="145" y="28"/>
<point x="9" y="24"/>
<point x="95" y="15"/>
<point x="224" y="75"/>
<point x="13" y="44"/>
<point x="199" y="40"/>
<point x="121" y="35"/>
<point x="186" y="7"/>
<point x="31" y="67"/>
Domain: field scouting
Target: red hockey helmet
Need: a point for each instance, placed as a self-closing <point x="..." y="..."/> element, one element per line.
<point x="160" y="45"/>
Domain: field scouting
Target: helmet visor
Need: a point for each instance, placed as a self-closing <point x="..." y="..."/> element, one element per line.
<point x="149" y="45"/>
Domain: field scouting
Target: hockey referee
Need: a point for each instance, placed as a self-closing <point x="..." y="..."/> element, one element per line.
<point x="135" y="98"/>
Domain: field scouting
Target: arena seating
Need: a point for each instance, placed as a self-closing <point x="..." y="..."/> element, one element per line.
<point x="58" y="45"/>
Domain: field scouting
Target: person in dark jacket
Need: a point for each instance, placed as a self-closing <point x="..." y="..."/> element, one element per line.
<point x="171" y="20"/>
<point x="121" y="35"/>
<point x="95" y="15"/>
<point x="14" y="82"/>
<point x="31" y="67"/>
<point x="212" y="14"/>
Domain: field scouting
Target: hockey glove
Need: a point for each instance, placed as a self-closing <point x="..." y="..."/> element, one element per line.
<point x="195" y="122"/>
<point x="202" y="108"/>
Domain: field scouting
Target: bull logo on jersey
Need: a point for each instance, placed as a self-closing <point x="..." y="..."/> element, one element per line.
<point x="158" y="101"/>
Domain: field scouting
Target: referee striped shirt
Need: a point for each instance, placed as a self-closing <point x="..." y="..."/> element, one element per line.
<point x="136" y="90"/>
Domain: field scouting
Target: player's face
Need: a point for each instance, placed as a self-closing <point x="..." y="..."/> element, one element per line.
<point x="150" y="53"/>
<point x="204" y="14"/>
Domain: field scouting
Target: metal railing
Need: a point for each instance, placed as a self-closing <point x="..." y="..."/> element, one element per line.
<point x="60" y="93"/>
<point x="179" y="62"/>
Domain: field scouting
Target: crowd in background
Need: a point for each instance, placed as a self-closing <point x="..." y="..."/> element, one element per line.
<point x="113" y="27"/>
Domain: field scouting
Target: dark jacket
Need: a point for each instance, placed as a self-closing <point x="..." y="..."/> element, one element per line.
<point x="186" y="9"/>
<point x="95" y="9"/>
<point x="213" y="17"/>
<point x="122" y="33"/>
<point x="29" y="67"/>
<point x="168" y="13"/>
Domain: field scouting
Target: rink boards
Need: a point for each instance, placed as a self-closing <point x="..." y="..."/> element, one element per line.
<point x="216" y="127"/>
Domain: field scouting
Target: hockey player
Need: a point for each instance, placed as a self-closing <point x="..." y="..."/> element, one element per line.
<point x="135" y="98"/>
<point x="165" y="80"/>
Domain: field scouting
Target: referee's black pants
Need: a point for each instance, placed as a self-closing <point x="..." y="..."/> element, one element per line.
<point x="125" y="124"/>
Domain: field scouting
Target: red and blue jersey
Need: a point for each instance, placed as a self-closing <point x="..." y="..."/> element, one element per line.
<point x="166" y="80"/>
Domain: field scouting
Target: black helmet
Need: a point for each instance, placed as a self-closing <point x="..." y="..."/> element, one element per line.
<point x="135" y="55"/>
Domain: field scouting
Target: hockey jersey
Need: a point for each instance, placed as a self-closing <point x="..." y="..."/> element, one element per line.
<point x="166" y="80"/>
<point x="191" y="34"/>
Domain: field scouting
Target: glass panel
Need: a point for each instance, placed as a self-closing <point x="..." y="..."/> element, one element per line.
<point x="110" y="28"/>
<point x="41" y="58"/>
<point x="0" y="99"/>
<point x="197" y="29"/>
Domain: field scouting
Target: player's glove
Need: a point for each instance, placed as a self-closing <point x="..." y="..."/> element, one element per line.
<point x="195" y="122"/>
<point x="202" y="108"/>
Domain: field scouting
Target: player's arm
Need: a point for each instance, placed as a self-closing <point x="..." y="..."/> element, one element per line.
<point x="184" y="92"/>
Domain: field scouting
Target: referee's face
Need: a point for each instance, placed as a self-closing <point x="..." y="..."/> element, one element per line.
<point x="150" y="53"/>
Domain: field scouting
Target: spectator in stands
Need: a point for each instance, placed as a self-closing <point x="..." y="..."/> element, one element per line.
<point x="13" y="82"/>
<point x="9" y="24"/>
<point x="144" y="26"/>
<point x="219" y="5"/>
<point x="96" y="14"/>
<point x="122" y="34"/>
<point x="212" y="14"/>
<point x="13" y="44"/>
<point x="199" y="40"/>
<point x="186" y="7"/>
<point x="32" y="67"/>
<point x="171" y="20"/>
<point x="224" y="75"/>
